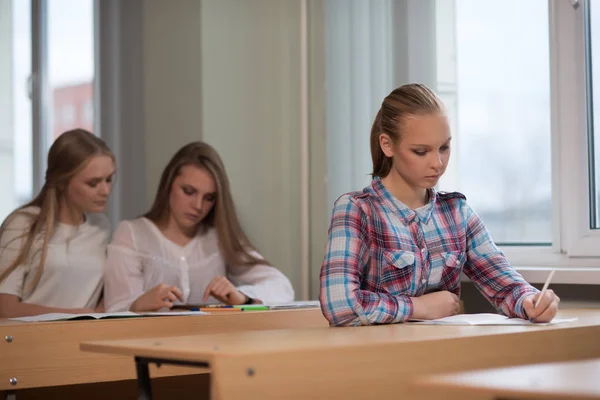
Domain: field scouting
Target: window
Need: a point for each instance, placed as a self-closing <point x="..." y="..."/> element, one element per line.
<point x="497" y="85"/>
<point x="593" y="68"/>
<point x="47" y="73"/>
<point x="512" y="74"/>
<point x="70" y="71"/>
<point x="15" y="112"/>
<point x="88" y="114"/>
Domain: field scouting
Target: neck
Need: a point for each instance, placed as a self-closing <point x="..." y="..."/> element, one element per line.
<point x="67" y="214"/>
<point x="173" y="230"/>
<point x="413" y="197"/>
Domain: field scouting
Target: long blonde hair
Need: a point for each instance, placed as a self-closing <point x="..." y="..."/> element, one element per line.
<point x="233" y="242"/>
<point x="406" y="101"/>
<point x="68" y="155"/>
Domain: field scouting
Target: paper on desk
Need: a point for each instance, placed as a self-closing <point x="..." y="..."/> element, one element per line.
<point x="123" y="314"/>
<point x="171" y="313"/>
<point x="486" y="319"/>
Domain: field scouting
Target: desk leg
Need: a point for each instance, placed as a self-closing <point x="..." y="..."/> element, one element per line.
<point x="10" y="395"/>
<point x="143" y="379"/>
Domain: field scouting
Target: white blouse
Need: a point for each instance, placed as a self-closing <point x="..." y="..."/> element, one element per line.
<point x="72" y="274"/>
<point x="141" y="257"/>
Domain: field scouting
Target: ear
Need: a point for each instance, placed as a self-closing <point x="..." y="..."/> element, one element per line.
<point x="387" y="144"/>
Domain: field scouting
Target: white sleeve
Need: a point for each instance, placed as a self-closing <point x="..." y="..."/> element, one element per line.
<point x="11" y="241"/>
<point x="123" y="273"/>
<point x="262" y="282"/>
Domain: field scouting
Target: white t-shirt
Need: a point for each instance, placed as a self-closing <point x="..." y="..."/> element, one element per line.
<point x="72" y="274"/>
<point x="141" y="257"/>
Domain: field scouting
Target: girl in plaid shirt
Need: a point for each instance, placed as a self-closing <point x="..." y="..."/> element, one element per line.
<point x="398" y="248"/>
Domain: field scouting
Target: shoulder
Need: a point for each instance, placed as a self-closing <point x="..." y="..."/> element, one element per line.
<point x="133" y="225"/>
<point x="349" y="203"/>
<point x="448" y="196"/>
<point x="357" y="198"/>
<point x="452" y="200"/>
<point x="21" y="219"/>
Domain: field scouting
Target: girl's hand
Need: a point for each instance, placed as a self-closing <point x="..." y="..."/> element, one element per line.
<point x="546" y="310"/>
<point x="224" y="291"/>
<point x="161" y="296"/>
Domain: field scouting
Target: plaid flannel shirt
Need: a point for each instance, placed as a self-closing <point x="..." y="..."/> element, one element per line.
<point x="381" y="253"/>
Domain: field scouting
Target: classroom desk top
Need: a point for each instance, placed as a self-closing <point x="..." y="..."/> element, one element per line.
<point x="575" y="380"/>
<point x="40" y="354"/>
<point x="360" y="361"/>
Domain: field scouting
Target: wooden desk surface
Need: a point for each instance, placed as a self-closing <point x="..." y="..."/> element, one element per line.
<point x="573" y="380"/>
<point x="47" y="353"/>
<point x="191" y="348"/>
<point x="361" y="361"/>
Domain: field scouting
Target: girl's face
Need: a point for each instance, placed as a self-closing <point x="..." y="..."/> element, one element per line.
<point x="88" y="190"/>
<point x="422" y="153"/>
<point x="192" y="197"/>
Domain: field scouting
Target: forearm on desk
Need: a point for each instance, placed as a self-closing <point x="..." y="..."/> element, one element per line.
<point x="11" y="306"/>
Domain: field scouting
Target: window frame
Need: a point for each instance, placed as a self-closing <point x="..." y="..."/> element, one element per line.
<point x="575" y="246"/>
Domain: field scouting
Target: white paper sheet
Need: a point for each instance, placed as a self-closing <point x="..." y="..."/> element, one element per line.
<point x="487" y="319"/>
<point x="123" y="314"/>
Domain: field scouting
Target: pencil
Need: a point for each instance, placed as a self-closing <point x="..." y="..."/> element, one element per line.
<point x="543" y="292"/>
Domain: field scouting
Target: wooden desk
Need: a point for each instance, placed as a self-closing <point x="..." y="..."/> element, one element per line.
<point x="41" y="354"/>
<point x="574" y="380"/>
<point x="359" y="362"/>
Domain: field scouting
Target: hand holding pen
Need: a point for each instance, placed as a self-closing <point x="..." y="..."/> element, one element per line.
<point x="543" y="306"/>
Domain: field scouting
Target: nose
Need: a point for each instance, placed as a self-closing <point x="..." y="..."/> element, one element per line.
<point x="105" y="189"/>
<point x="437" y="161"/>
<point x="198" y="204"/>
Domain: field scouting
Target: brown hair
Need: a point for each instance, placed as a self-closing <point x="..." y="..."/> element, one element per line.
<point x="233" y="242"/>
<point x="68" y="155"/>
<point x="405" y="101"/>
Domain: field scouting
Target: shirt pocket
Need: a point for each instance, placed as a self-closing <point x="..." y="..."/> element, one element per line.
<point x="445" y="271"/>
<point x="398" y="271"/>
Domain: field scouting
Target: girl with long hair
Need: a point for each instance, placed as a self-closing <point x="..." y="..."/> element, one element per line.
<point x="190" y="247"/>
<point x="53" y="249"/>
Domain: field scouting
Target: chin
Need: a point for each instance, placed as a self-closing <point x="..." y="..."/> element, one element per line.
<point x="428" y="183"/>
<point x="187" y="223"/>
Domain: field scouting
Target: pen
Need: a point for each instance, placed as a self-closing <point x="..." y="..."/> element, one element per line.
<point x="537" y="302"/>
<point x="195" y="307"/>
<point x="253" y="307"/>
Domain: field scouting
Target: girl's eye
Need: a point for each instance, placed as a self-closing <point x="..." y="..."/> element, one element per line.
<point x="188" y="191"/>
<point x="419" y="152"/>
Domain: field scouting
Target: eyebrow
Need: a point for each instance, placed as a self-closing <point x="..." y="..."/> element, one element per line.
<point x="428" y="146"/>
<point x="188" y="186"/>
<point x="100" y="178"/>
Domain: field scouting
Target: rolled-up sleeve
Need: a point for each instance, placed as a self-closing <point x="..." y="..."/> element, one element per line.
<point x="490" y="271"/>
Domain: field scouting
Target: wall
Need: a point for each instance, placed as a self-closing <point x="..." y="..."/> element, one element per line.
<point x="571" y="296"/>
<point x="251" y="114"/>
<point x="172" y="82"/>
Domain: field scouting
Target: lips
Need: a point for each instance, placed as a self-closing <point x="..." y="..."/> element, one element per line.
<point x="193" y="217"/>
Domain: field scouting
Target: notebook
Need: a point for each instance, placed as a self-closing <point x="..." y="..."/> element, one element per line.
<point x="123" y="314"/>
<point x="486" y="319"/>
<point x="271" y="306"/>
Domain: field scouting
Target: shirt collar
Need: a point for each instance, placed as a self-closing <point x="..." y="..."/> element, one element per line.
<point x="397" y="207"/>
